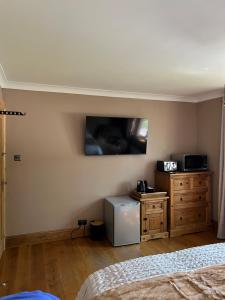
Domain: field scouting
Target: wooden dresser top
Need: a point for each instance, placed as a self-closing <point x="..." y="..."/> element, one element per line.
<point x="184" y="173"/>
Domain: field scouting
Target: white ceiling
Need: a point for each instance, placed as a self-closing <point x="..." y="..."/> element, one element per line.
<point x="174" y="47"/>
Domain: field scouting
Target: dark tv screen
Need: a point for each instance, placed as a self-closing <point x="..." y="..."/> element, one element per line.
<point x="114" y="135"/>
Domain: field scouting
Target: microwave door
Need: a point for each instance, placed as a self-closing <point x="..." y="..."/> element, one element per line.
<point x="194" y="162"/>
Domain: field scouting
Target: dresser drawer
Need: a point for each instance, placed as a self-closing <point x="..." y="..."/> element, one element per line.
<point x="183" y="198"/>
<point x="182" y="183"/>
<point x="188" y="216"/>
<point x="200" y="181"/>
<point x="151" y="206"/>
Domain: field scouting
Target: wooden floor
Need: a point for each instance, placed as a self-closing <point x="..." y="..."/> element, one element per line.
<point x="61" y="267"/>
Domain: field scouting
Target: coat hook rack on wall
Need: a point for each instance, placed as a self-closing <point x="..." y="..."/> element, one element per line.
<point x="12" y="113"/>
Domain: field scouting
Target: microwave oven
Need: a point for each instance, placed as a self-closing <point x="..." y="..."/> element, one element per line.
<point x="191" y="162"/>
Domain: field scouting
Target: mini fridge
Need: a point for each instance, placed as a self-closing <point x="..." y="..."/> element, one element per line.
<point x="122" y="220"/>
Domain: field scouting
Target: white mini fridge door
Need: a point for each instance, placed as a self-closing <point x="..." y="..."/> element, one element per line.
<point x="127" y="223"/>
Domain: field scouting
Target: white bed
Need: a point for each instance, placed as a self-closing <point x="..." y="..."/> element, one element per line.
<point x="150" y="266"/>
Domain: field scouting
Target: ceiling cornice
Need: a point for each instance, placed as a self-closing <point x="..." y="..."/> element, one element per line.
<point x="7" y="84"/>
<point x="209" y="95"/>
<point x="94" y="92"/>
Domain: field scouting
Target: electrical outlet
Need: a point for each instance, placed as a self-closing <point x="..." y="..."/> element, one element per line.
<point x="82" y="222"/>
<point x="17" y="157"/>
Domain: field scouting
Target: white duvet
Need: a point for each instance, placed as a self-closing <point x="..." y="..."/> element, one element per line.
<point x="149" y="266"/>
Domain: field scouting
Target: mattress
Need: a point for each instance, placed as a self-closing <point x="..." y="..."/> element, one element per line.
<point x="149" y="266"/>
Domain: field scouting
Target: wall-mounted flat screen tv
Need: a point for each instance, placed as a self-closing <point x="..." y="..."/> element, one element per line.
<point x="115" y="135"/>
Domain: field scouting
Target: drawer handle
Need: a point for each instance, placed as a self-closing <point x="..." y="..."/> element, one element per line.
<point x="145" y="230"/>
<point x="161" y="223"/>
<point x="153" y="206"/>
<point x="181" y="183"/>
<point x="145" y="219"/>
<point x="181" y="199"/>
<point x="200" y="197"/>
<point x="181" y="218"/>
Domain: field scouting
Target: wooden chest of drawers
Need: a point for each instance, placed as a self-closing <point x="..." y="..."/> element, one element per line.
<point x="189" y="207"/>
<point x="153" y="216"/>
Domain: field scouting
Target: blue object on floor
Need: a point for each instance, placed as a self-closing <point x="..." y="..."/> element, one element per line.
<point x="36" y="295"/>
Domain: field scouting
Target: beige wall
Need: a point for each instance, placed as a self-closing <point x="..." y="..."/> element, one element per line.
<point x="0" y="94"/>
<point x="209" y="124"/>
<point x="55" y="183"/>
